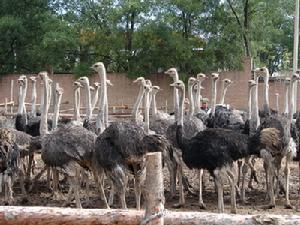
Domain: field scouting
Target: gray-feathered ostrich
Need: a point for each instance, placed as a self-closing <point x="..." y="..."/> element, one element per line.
<point x="67" y="149"/>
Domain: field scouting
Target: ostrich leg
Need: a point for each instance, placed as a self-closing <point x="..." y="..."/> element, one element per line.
<point x="287" y="185"/>
<point x="240" y="163"/>
<point x="201" y="203"/>
<point x="8" y="192"/>
<point x="218" y="181"/>
<point x="232" y="181"/>
<point x="98" y="176"/>
<point x="244" y="171"/>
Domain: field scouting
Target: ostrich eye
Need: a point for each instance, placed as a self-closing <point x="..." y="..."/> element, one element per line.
<point x="96" y="65"/>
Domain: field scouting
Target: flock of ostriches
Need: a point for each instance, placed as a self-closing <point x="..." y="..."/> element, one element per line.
<point x="224" y="141"/>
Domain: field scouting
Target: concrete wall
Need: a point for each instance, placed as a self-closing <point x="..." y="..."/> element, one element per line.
<point x="125" y="92"/>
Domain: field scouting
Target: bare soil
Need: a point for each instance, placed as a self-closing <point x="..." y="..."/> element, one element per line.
<point x="41" y="195"/>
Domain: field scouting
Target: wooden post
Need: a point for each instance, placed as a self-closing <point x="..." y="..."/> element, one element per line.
<point x="12" y="95"/>
<point x="154" y="190"/>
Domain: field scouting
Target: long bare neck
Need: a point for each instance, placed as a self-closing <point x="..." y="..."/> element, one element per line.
<point x="103" y="110"/>
<point x="146" y="112"/>
<point x="266" y="92"/>
<point x="44" y="113"/>
<point x="153" y="103"/>
<point x="137" y="104"/>
<point x="181" y="107"/>
<point x="214" y="96"/>
<point x="56" y="110"/>
<point x="198" y="97"/>
<point x="176" y="97"/>
<point x="223" y="93"/>
<point x="95" y="98"/>
<point x="88" y="102"/>
<point x="33" y="99"/>
<point x="291" y="105"/>
<point x="255" y="114"/>
<point x="24" y="95"/>
<point x="249" y="101"/>
<point x="191" y="101"/>
<point x="286" y="102"/>
<point x="42" y="98"/>
<point x="20" y="106"/>
<point x="77" y="104"/>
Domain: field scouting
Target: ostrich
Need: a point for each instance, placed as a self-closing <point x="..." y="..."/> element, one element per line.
<point x="58" y="92"/>
<point x="287" y="82"/>
<point x="67" y="149"/>
<point x="213" y="149"/>
<point x="96" y="95"/>
<point x="84" y="81"/>
<point x="136" y="117"/>
<point x="33" y="96"/>
<point x="77" y="86"/>
<point x="120" y="154"/>
<point x="277" y="101"/>
<point x="225" y="84"/>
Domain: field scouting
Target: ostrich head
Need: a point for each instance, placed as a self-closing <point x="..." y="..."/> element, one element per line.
<point x="179" y="85"/>
<point x="215" y="76"/>
<point x="97" y="85"/>
<point x="43" y="75"/>
<point x="33" y="79"/>
<point x="227" y="82"/>
<point x="109" y="83"/>
<point x="84" y="81"/>
<point x="295" y="77"/>
<point x="98" y="67"/>
<point x="139" y="81"/>
<point x="201" y="77"/>
<point x="287" y="81"/>
<point x="192" y="81"/>
<point x="172" y="72"/>
<point x="77" y="85"/>
<point x="148" y="82"/>
<point x="262" y="72"/>
<point x="59" y="90"/>
<point x="155" y="89"/>
<point x="251" y="83"/>
<point x="22" y="80"/>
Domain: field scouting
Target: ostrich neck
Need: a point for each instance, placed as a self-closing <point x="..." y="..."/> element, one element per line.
<point x="224" y="91"/>
<point x="33" y="99"/>
<point x="175" y="96"/>
<point x="291" y="103"/>
<point x="191" y="101"/>
<point x="56" y="111"/>
<point x="286" y="101"/>
<point x="249" y="101"/>
<point x="24" y="95"/>
<point x="42" y="99"/>
<point x="137" y="104"/>
<point x="266" y="92"/>
<point x="146" y="111"/>
<point x="20" y="106"/>
<point x="88" y="102"/>
<point x="95" y="98"/>
<point x="44" y="116"/>
<point x="153" y="103"/>
<point x="181" y="107"/>
<point x="254" y="98"/>
<point x="77" y="104"/>
<point x="214" y="96"/>
<point x="198" y="97"/>
<point x="103" y="110"/>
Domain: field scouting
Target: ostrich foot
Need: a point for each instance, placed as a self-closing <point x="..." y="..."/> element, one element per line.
<point x="178" y="205"/>
<point x="58" y="196"/>
<point x="288" y="206"/>
<point x="269" y="206"/>
<point x="202" y="205"/>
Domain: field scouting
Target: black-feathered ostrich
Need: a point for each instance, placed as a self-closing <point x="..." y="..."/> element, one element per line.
<point x="214" y="150"/>
<point x="67" y="149"/>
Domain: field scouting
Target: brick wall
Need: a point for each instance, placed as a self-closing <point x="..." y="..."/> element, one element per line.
<point x="125" y="92"/>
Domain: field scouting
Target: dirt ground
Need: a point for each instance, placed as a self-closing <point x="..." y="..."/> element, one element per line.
<point x="41" y="195"/>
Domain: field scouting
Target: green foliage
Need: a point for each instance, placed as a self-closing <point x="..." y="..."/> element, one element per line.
<point x="143" y="37"/>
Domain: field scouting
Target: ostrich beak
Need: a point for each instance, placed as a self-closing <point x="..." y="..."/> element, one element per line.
<point x="109" y="83"/>
<point x="173" y="84"/>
